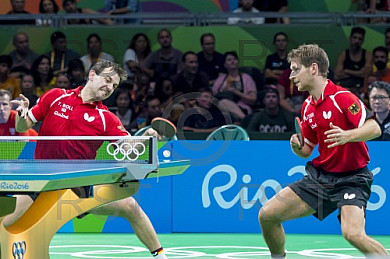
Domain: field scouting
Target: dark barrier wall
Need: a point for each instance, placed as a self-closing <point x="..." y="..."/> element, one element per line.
<point x="227" y="184"/>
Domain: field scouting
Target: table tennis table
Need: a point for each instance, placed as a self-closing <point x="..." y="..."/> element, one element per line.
<point x="30" y="236"/>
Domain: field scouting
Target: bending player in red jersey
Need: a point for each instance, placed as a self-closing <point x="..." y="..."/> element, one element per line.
<point x="80" y="112"/>
<point x="338" y="178"/>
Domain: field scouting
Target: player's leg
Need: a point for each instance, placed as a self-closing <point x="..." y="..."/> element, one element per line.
<point x="285" y="205"/>
<point x="23" y="202"/>
<point x="353" y="228"/>
<point x="129" y="209"/>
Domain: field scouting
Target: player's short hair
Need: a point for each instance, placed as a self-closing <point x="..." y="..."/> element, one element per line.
<point x="379" y="85"/>
<point x="5" y="93"/>
<point x="308" y="54"/>
<point x="101" y="65"/>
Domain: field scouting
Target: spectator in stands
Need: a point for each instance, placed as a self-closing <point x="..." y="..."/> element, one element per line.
<point x="46" y="7"/>
<point x="164" y="62"/>
<point x="152" y="109"/>
<point x="70" y="6"/>
<point x="17" y="7"/>
<point x="124" y="106"/>
<point x="210" y="61"/>
<point x="273" y="119"/>
<point x="247" y="8"/>
<point x="236" y="91"/>
<point x="8" y="82"/>
<point x="277" y="62"/>
<point x="7" y="117"/>
<point x="60" y="55"/>
<point x="95" y="52"/>
<point x="190" y="79"/>
<point x="273" y="6"/>
<point x="379" y="95"/>
<point x="380" y="58"/>
<point x="76" y="73"/>
<point x="354" y="63"/>
<point x="62" y="81"/>
<point x="28" y="89"/>
<point x="121" y="7"/>
<point x="164" y="91"/>
<point x="206" y="116"/>
<point x="136" y="54"/>
<point x="43" y="75"/>
<point x="22" y="55"/>
<point x="290" y="98"/>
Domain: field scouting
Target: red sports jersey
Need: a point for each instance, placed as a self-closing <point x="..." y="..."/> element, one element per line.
<point x="64" y="114"/>
<point x="8" y="128"/>
<point x="345" y="110"/>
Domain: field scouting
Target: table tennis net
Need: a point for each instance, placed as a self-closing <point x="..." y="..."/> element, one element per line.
<point x="77" y="149"/>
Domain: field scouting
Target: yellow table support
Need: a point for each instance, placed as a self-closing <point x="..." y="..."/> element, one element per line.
<point x="30" y="236"/>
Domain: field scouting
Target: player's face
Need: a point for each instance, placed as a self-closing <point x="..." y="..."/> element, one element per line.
<point x="208" y="45"/>
<point x="103" y="85"/>
<point x="5" y="108"/>
<point x="379" y="100"/>
<point x="300" y="75"/>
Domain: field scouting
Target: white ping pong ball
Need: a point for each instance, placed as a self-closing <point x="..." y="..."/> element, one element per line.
<point x="166" y="153"/>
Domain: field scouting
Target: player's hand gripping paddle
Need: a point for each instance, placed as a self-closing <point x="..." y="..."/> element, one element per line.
<point x="299" y="131"/>
<point x="163" y="127"/>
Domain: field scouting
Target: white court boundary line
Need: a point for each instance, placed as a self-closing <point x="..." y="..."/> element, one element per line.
<point x="119" y="251"/>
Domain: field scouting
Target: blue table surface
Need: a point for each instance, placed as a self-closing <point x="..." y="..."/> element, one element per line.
<point x="56" y="170"/>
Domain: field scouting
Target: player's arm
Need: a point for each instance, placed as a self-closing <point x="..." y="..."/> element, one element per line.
<point x="22" y="121"/>
<point x="337" y="136"/>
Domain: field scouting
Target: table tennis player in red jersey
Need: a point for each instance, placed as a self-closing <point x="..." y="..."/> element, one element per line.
<point x="338" y="178"/>
<point x="80" y="112"/>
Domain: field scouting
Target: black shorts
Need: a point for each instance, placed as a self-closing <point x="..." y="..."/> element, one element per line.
<point x="325" y="192"/>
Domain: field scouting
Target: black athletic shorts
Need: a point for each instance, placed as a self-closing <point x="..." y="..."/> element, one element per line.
<point x="325" y="192"/>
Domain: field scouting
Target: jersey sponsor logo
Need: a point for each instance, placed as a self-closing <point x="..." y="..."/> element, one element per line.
<point x="88" y="118"/>
<point x="354" y="108"/>
<point x="349" y="196"/>
<point x="327" y="115"/>
<point x="61" y="115"/>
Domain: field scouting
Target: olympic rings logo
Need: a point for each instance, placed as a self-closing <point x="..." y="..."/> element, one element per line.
<point x="126" y="150"/>
<point x="19" y="249"/>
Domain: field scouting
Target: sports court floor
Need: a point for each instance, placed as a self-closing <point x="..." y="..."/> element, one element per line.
<point x="201" y="246"/>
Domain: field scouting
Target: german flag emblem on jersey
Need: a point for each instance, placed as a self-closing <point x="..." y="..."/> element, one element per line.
<point x="354" y="108"/>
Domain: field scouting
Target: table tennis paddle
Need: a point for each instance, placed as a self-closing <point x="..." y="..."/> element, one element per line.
<point x="163" y="127"/>
<point x="299" y="131"/>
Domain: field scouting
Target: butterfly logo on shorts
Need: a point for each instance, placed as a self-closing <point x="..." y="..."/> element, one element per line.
<point x="327" y="115"/>
<point x="349" y="196"/>
<point x="88" y="118"/>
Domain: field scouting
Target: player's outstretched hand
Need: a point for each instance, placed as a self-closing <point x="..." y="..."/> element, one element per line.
<point x="153" y="132"/>
<point x="23" y="105"/>
<point x="336" y="136"/>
